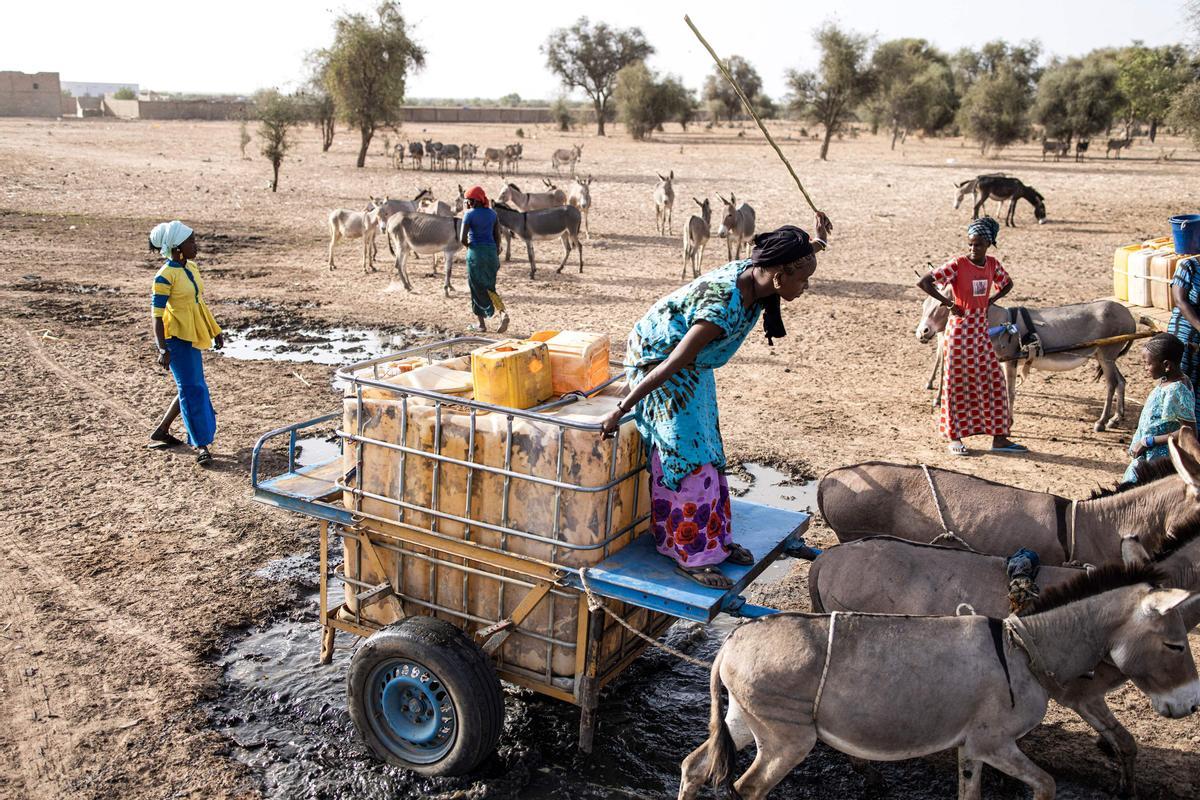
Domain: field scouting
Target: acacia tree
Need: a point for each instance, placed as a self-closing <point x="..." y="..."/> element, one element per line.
<point x="366" y="69"/>
<point x="995" y="110"/>
<point x="1077" y="98"/>
<point x="914" y="87"/>
<point x="1149" y="79"/>
<point x="645" y="102"/>
<point x="589" y="57"/>
<point x="277" y="115"/>
<point x="324" y="110"/>
<point x="843" y="81"/>
<point x="722" y="100"/>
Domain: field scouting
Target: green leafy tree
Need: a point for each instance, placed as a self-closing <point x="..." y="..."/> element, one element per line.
<point x="842" y="82"/>
<point x="560" y="112"/>
<point x="1149" y="79"/>
<point x="914" y="87"/>
<point x="322" y="106"/>
<point x="722" y="101"/>
<point x="995" y="110"/>
<point x="1185" y="111"/>
<point x="588" y="57"/>
<point x="124" y="93"/>
<point x="511" y="100"/>
<point x="645" y="102"/>
<point x="1078" y="98"/>
<point x="367" y="67"/>
<point x="277" y="115"/>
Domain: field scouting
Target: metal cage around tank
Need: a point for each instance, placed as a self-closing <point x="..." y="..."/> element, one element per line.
<point x="638" y="585"/>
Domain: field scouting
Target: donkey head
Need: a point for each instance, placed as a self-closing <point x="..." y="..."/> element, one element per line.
<point x="705" y="209"/>
<point x="933" y="320"/>
<point x="1151" y="647"/>
<point x="549" y="185"/>
<point x="1039" y="204"/>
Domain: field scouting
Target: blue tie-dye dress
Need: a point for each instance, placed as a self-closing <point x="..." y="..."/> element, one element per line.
<point x="680" y="417"/>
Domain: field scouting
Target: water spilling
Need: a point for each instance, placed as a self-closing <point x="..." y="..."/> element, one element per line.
<point x="285" y="717"/>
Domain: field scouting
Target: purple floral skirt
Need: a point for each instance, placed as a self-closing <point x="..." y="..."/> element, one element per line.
<point x="691" y="525"/>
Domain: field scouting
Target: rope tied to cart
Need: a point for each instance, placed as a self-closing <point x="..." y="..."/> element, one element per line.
<point x="597" y="604"/>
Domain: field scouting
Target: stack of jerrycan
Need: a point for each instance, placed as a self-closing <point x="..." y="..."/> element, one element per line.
<point x="406" y="487"/>
<point x="1139" y="269"/>
<point x="1162" y="272"/>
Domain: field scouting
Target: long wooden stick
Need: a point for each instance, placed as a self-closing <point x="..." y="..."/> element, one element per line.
<point x="1126" y="337"/>
<point x="746" y="102"/>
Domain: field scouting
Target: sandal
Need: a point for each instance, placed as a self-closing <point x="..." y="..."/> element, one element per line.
<point x="203" y="457"/>
<point x="503" y="322"/>
<point x="1011" y="448"/>
<point x="958" y="449"/>
<point x="739" y="555"/>
<point x="162" y="444"/>
<point x="708" y="577"/>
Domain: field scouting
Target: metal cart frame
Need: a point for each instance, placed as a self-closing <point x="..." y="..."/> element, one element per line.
<point x="635" y="576"/>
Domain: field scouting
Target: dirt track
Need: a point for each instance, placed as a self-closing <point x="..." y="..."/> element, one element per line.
<point x="123" y="569"/>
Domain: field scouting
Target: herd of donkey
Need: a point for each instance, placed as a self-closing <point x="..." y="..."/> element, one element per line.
<point x="425" y="225"/>
<point x="957" y="583"/>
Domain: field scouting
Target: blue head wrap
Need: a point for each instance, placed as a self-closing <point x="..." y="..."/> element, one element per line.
<point x="166" y="236"/>
<point x="985" y="226"/>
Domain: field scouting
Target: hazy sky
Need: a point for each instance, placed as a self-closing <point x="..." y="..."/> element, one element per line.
<point x="488" y="50"/>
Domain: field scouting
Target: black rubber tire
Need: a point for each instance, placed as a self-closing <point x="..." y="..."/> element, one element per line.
<point x="461" y="666"/>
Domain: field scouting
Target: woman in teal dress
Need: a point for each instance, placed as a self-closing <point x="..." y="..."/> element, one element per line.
<point x="1171" y="406"/>
<point x="669" y="362"/>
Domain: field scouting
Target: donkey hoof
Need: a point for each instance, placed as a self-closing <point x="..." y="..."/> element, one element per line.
<point x="1099" y="427"/>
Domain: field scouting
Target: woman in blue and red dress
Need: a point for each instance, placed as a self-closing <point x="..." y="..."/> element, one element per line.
<point x="974" y="393"/>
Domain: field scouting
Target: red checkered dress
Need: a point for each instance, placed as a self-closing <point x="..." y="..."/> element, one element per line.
<point x="974" y="395"/>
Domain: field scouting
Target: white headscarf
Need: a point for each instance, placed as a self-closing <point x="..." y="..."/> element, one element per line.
<point x="166" y="236"/>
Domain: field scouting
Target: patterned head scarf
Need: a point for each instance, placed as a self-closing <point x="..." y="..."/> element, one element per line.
<point x="986" y="227"/>
<point x="166" y="236"/>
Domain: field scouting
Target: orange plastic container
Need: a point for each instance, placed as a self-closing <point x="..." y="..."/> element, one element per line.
<point x="512" y="373"/>
<point x="1162" y="270"/>
<point x="1121" y="270"/>
<point x="578" y="360"/>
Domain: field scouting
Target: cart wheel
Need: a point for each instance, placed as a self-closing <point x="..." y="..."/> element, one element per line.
<point x="425" y="697"/>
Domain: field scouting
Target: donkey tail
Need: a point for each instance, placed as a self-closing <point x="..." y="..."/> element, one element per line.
<point x="721" y="749"/>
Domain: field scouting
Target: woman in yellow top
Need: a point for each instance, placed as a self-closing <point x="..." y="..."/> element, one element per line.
<point x="183" y="327"/>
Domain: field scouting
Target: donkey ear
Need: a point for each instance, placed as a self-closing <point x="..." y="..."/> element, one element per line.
<point x="1132" y="552"/>
<point x="1160" y="601"/>
<point x="1186" y="463"/>
<point x="672" y="175"/>
<point x="660" y="177"/>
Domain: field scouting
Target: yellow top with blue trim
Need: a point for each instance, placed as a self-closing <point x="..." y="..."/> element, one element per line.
<point x="178" y="297"/>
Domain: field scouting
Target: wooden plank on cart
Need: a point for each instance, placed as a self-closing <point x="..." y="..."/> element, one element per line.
<point x="639" y="575"/>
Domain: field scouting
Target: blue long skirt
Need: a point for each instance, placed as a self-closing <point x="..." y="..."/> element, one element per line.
<point x="195" y="406"/>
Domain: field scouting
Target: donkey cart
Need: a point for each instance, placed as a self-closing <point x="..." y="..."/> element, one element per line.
<point x="464" y="540"/>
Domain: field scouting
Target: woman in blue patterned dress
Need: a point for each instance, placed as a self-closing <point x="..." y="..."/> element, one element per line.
<point x="1170" y="407"/>
<point x="1185" y="319"/>
<point x="669" y="362"/>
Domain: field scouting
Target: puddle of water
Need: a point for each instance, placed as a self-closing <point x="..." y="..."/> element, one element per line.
<point x="333" y="346"/>
<point x="769" y="486"/>
<point x="316" y="450"/>
<point x="285" y="717"/>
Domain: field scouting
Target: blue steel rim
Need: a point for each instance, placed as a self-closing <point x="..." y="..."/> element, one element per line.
<point x="410" y="711"/>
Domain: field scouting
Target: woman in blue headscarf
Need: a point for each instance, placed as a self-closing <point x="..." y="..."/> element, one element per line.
<point x="183" y="327"/>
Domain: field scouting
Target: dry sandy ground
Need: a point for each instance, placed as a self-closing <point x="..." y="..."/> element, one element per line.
<point x="122" y="569"/>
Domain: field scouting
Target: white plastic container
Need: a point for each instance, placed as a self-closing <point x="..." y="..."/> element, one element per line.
<point x="1139" y="274"/>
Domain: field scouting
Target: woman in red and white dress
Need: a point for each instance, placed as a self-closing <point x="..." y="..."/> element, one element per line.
<point x="974" y="394"/>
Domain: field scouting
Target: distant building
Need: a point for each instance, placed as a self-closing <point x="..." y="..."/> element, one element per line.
<point x="24" y="94"/>
<point x="86" y="89"/>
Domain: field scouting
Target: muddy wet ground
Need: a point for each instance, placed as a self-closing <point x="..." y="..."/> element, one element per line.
<point x="130" y="578"/>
